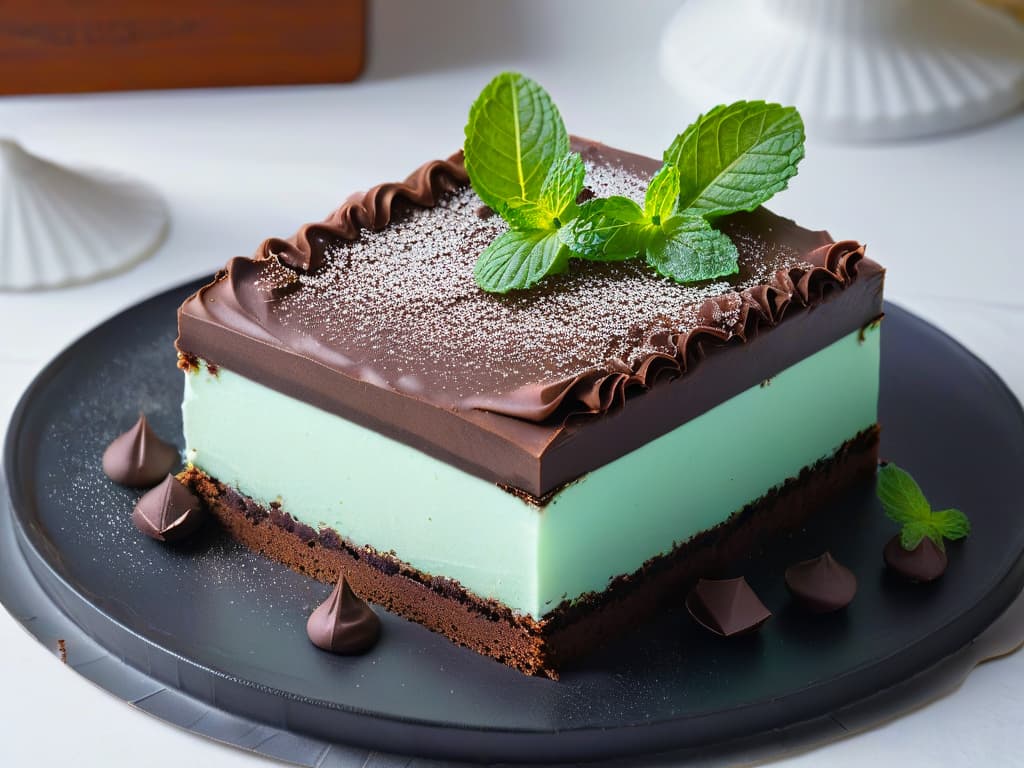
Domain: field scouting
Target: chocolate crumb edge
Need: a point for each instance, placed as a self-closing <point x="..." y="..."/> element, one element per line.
<point x="574" y="627"/>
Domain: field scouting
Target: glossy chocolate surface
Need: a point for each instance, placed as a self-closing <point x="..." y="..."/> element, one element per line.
<point x="518" y="418"/>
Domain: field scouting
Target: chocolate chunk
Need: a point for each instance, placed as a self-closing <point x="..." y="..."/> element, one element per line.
<point x="925" y="562"/>
<point x="484" y="212"/>
<point x="822" y="584"/>
<point x="138" y="458"/>
<point x="343" y="623"/>
<point x="726" y="607"/>
<point x="585" y="194"/>
<point x="170" y="512"/>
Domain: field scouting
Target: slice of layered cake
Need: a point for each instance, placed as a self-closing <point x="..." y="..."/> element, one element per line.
<point x="533" y="471"/>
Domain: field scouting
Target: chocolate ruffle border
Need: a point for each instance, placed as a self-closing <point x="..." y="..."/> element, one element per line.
<point x="370" y="210"/>
<point x="600" y="389"/>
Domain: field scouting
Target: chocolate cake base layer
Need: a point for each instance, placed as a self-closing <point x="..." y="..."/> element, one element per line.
<point x="571" y="630"/>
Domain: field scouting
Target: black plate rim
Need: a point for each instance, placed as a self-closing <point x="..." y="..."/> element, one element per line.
<point x="1003" y="589"/>
<point x="20" y="594"/>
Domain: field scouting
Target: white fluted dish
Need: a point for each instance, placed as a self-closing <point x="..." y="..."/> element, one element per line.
<point x="857" y="69"/>
<point x="60" y="226"/>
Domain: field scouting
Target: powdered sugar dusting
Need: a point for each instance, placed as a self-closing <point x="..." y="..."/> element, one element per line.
<point x="402" y="303"/>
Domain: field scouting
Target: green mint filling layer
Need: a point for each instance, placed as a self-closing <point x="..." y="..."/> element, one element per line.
<point x="375" y="491"/>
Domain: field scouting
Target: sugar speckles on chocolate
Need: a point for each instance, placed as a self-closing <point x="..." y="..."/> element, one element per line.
<point x="403" y="302"/>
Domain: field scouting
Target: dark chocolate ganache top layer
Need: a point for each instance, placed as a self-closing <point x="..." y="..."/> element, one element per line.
<point x="374" y="314"/>
<point x="403" y="305"/>
<point x="399" y="308"/>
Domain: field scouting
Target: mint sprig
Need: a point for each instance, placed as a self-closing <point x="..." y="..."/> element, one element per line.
<point x="513" y="138"/>
<point x="679" y="245"/>
<point x="732" y="159"/>
<point x="520" y="259"/>
<point x="519" y="162"/>
<point x="736" y="157"/>
<point x="688" y="249"/>
<point x="556" y="201"/>
<point x="607" y="229"/>
<point x="906" y="504"/>
<point x="662" y="197"/>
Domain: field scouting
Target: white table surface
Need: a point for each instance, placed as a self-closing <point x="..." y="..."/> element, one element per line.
<point x="239" y="165"/>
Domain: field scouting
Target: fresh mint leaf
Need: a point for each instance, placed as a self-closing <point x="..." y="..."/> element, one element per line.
<point x="683" y="248"/>
<point x="912" y="533"/>
<point x="518" y="158"/>
<point x="607" y="229"/>
<point x="901" y="496"/>
<point x="951" y="523"/>
<point x="688" y="250"/>
<point x="736" y="157"/>
<point x="514" y="136"/>
<point x="662" y="195"/>
<point x="561" y="187"/>
<point x="525" y="215"/>
<point x="517" y="260"/>
<point x="556" y="203"/>
<point x="905" y="504"/>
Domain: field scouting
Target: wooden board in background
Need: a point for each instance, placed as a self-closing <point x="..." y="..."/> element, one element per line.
<point x="59" y="46"/>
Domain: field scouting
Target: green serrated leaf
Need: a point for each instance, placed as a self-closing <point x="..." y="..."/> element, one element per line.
<point x="561" y="187"/>
<point x="525" y="215"/>
<point x="514" y="136"/>
<point x="662" y="195"/>
<point x="689" y="249"/>
<point x="736" y="157"/>
<point x="517" y="260"/>
<point x="905" y="503"/>
<point x="913" y="532"/>
<point x="901" y="496"/>
<point x="556" y="205"/>
<point x="607" y="229"/>
<point x="951" y="523"/>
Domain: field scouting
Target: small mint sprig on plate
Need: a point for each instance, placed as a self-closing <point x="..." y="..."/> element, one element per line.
<point x="519" y="163"/>
<point x="732" y="159"/>
<point x="905" y="504"/>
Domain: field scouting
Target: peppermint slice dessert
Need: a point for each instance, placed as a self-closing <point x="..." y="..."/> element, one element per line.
<point x="538" y="389"/>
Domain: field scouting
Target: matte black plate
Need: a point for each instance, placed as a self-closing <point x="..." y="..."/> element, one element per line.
<point x="227" y="627"/>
